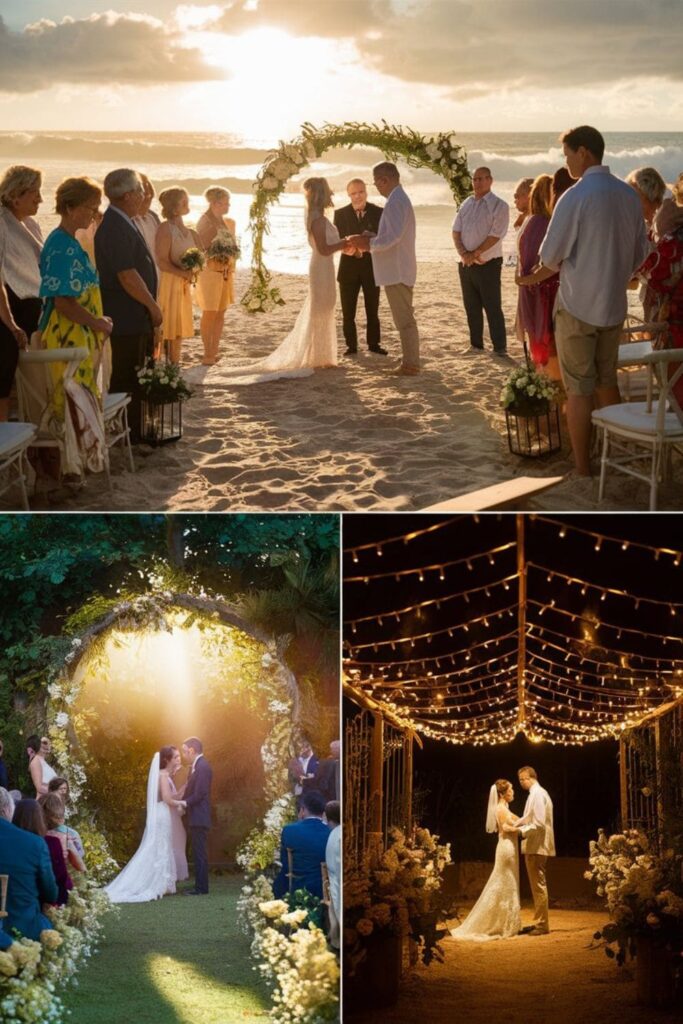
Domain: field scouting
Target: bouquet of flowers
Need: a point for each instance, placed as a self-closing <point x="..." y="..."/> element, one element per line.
<point x="224" y="251"/>
<point x="643" y="889"/>
<point x="162" y="382"/>
<point x="528" y="392"/>
<point x="193" y="260"/>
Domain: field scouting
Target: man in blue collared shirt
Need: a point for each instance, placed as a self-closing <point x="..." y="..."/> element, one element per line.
<point x="596" y="239"/>
<point x="478" y="231"/>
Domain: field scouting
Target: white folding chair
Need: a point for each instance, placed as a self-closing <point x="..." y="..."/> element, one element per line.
<point x="15" y="438"/>
<point x="635" y="380"/>
<point x="116" y="428"/>
<point x="35" y="389"/>
<point x="644" y="433"/>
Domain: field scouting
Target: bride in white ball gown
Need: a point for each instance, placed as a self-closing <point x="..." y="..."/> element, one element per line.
<point x="496" y="914"/>
<point x="159" y="861"/>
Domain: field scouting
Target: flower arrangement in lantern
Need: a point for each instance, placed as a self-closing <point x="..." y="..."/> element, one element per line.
<point x="164" y="390"/>
<point x="532" y="414"/>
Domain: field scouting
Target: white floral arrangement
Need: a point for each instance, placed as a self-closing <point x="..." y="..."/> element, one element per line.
<point x="527" y="391"/>
<point x="441" y="153"/>
<point x="643" y="889"/>
<point x="33" y="973"/>
<point x="162" y="382"/>
<point x="225" y="248"/>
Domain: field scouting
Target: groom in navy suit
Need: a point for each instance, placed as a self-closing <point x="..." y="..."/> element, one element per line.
<point x="307" y="839"/>
<point x="26" y="859"/>
<point x="197" y="801"/>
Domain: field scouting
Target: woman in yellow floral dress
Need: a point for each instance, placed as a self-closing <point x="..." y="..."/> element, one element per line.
<point x="72" y="304"/>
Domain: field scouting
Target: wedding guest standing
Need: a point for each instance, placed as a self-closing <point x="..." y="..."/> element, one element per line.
<point x="128" y="279"/>
<point x="40" y="771"/>
<point x="175" y="294"/>
<point x="302" y="768"/>
<point x="394" y="262"/>
<point x="537" y="291"/>
<point x="521" y="201"/>
<point x="25" y="858"/>
<point x="596" y="239"/>
<point x="216" y="282"/>
<point x="72" y="311"/>
<point x="327" y="775"/>
<point x="333" y="862"/>
<point x="355" y="271"/>
<point x="21" y="243"/>
<point x="650" y="188"/>
<point x="478" y="232"/>
<point x="146" y="220"/>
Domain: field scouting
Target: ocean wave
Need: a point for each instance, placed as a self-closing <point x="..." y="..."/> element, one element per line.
<point x="125" y="151"/>
<point x="508" y="167"/>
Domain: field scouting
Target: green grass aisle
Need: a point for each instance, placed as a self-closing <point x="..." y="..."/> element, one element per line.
<point x="180" y="960"/>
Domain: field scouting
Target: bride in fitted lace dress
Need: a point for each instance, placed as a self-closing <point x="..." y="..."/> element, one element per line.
<point x="496" y="914"/>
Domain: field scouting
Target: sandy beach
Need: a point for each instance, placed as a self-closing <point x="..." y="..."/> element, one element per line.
<point x="353" y="437"/>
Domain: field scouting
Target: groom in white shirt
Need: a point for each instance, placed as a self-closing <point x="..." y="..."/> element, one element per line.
<point x="394" y="261"/>
<point x="538" y="843"/>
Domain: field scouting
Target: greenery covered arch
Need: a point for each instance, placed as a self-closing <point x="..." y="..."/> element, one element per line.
<point x="267" y="673"/>
<point x="439" y="153"/>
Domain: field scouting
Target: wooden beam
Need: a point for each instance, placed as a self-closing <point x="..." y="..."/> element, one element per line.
<point x="408" y="781"/>
<point x="521" y="626"/>
<point x="506" y="494"/>
<point x="623" y="783"/>
<point x="361" y="698"/>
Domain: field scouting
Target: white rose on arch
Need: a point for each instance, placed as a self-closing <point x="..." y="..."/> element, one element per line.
<point x="309" y="151"/>
<point x="281" y="168"/>
<point x="270" y="184"/>
<point x="294" y="154"/>
<point x="433" y="151"/>
<point x="267" y="660"/>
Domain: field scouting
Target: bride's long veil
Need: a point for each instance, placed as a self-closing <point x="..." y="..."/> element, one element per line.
<point x="132" y="884"/>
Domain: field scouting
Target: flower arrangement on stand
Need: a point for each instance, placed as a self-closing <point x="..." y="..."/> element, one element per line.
<point x="532" y="414"/>
<point x="164" y="390"/>
<point x="400" y="894"/>
<point x="32" y="973"/>
<point x="643" y="889"/>
<point x="439" y="153"/>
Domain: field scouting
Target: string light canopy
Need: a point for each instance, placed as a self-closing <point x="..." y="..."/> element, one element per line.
<point x="476" y="629"/>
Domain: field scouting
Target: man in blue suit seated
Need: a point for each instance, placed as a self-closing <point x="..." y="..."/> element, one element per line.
<point x="307" y="839"/>
<point x="26" y="859"/>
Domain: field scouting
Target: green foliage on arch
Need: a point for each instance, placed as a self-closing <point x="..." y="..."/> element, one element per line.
<point x="439" y="153"/>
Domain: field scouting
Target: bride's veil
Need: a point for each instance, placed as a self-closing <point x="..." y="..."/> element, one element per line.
<point x="133" y="882"/>
<point x="152" y="798"/>
<point x="491" y="822"/>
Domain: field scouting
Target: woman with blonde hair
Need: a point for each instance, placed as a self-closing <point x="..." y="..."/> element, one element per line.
<point x="175" y="296"/>
<point x="147" y="221"/>
<point x="537" y="290"/>
<point x="312" y="342"/>
<point x="216" y="282"/>
<point x="72" y="316"/>
<point x="21" y="243"/>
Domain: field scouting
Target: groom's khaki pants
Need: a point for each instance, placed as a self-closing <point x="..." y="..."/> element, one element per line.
<point x="400" y="299"/>
<point x="535" y="867"/>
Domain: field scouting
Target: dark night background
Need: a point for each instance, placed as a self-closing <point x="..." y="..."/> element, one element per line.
<point x="452" y="781"/>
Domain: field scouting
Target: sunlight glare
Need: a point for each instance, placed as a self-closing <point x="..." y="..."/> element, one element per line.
<point x="190" y="992"/>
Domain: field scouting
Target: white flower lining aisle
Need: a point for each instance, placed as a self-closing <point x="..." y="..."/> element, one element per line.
<point x="516" y="640"/>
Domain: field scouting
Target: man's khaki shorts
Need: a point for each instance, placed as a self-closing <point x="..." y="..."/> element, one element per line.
<point x="588" y="355"/>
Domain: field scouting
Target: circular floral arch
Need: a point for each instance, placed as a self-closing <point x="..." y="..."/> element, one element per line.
<point x="439" y="153"/>
<point x="155" y="612"/>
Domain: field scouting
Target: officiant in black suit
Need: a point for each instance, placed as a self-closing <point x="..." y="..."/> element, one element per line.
<point x="128" y="282"/>
<point x="355" y="272"/>
<point x="197" y="801"/>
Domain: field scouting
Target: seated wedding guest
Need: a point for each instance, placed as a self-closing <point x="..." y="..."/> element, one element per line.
<point x="537" y="291"/>
<point x="307" y="840"/>
<point x="28" y="815"/>
<point x="216" y="282"/>
<point x="175" y="283"/>
<point x="521" y="201"/>
<point x="302" y="768"/>
<point x="650" y="188"/>
<point x="26" y="859"/>
<point x="21" y="242"/>
<point x="128" y="281"/>
<point x="41" y="772"/>
<point x="333" y="862"/>
<point x="72" y="314"/>
<point x="3" y="767"/>
<point x="147" y="221"/>
<point x="669" y="215"/>
<point x="61" y="788"/>
<point x="327" y="774"/>
<point x="53" y="810"/>
<point x="662" y="273"/>
<point x="16" y="795"/>
<point x="562" y="180"/>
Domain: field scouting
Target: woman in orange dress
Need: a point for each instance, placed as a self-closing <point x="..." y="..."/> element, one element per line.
<point x="173" y="240"/>
<point x="215" y="284"/>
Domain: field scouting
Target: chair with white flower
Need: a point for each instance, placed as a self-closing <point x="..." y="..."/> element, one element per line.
<point x="644" y="434"/>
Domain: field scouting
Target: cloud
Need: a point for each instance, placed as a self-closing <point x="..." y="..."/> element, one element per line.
<point x="101" y="49"/>
<point x="471" y="47"/>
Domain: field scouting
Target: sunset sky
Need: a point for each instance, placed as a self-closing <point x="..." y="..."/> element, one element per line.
<point x="261" y="67"/>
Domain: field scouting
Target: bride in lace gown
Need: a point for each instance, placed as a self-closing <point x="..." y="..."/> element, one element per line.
<point x="496" y="914"/>
<point x="159" y="861"/>
<point x="312" y="342"/>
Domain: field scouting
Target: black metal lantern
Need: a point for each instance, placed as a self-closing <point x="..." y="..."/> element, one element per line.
<point x="533" y="431"/>
<point x="162" y="422"/>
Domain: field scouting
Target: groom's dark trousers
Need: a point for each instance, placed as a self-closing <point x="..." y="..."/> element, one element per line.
<point x="355" y="273"/>
<point x="198" y="801"/>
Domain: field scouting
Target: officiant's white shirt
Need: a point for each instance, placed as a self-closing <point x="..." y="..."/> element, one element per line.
<point x="393" y="247"/>
<point x="536" y="824"/>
